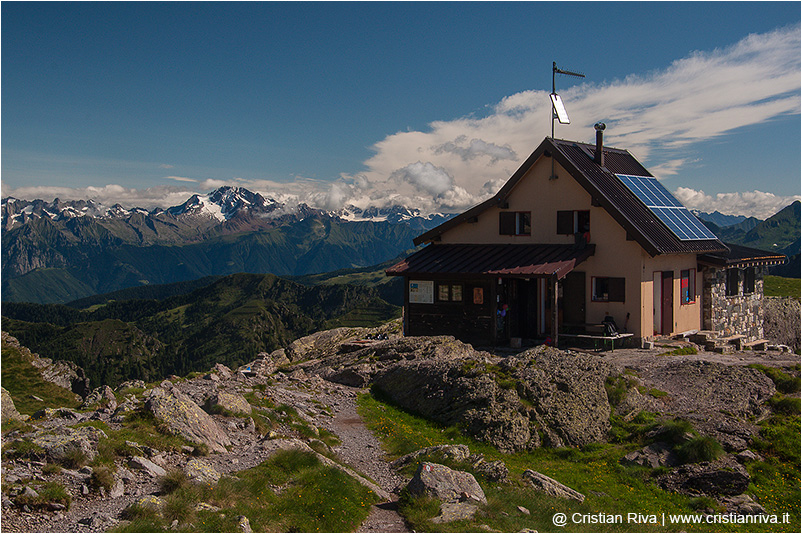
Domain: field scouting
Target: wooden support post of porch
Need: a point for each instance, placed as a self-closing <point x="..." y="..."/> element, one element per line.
<point x="554" y="313"/>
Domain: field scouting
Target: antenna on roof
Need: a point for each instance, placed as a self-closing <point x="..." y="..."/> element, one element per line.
<point x="557" y="108"/>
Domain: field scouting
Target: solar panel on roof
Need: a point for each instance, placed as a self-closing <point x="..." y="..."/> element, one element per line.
<point x="666" y="208"/>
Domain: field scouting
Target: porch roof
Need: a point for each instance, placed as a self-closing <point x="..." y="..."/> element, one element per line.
<point x="493" y="260"/>
<point x="740" y="256"/>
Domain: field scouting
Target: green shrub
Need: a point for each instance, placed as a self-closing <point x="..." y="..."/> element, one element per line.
<point x="674" y="431"/>
<point x="785" y="405"/>
<point x="699" y="449"/>
<point x="682" y="351"/>
<point x="175" y="479"/>
<point x="50" y="492"/>
<point x="24" y="449"/>
<point x="74" y="458"/>
<point x="102" y="477"/>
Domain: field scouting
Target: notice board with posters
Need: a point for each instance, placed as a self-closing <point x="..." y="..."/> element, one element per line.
<point x="421" y="291"/>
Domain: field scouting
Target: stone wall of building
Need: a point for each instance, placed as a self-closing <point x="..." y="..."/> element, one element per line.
<point x="730" y="315"/>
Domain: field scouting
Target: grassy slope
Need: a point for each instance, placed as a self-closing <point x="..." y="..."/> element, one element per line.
<point x="609" y="487"/>
<point x="22" y="380"/>
<point x="777" y="286"/>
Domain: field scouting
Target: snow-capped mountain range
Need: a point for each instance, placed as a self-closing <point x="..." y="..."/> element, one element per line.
<point x="219" y="206"/>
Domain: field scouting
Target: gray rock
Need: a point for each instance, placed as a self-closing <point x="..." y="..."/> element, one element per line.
<point x="445" y="484"/>
<point x="59" y="444"/>
<point x="102" y="397"/>
<point x="659" y="454"/>
<point x="457" y="453"/>
<point x="550" y="486"/>
<point x="321" y="343"/>
<point x="495" y="471"/>
<point x="742" y="505"/>
<point x="524" y="510"/>
<point x="138" y="462"/>
<point x="748" y="456"/>
<point x="233" y="403"/>
<point x="8" y="412"/>
<point x="724" y="476"/>
<point x="200" y="471"/>
<point x="243" y="524"/>
<point x="186" y="419"/>
<point x="118" y="489"/>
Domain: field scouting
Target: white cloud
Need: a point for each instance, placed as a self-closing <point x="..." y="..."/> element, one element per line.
<point x="425" y="177"/>
<point x="751" y="203"/>
<point x="181" y="179"/>
<point x="166" y="166"/>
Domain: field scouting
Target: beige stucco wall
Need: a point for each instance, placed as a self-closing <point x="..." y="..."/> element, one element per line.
<point x="615" y="256"/>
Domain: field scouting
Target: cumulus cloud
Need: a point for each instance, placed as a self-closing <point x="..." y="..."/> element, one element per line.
<point x="476" y="148"/>
<point x="425" y="177"/>
<point x="754" y="203"/>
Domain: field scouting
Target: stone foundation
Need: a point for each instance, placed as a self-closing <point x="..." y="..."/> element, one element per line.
<point x="732" y="315"/>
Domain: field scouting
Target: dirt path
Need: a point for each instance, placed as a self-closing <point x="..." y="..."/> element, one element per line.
<point x="361" y="450"/>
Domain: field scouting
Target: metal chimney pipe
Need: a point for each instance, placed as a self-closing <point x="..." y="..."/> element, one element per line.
<point x="598" y="156"/>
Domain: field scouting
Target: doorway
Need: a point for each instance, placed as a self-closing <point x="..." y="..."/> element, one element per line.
<point x="663" y="305"/>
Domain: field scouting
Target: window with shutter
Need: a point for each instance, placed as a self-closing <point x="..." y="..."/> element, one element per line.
<point x="506" y="223"/>
<point x="565" y="222"/>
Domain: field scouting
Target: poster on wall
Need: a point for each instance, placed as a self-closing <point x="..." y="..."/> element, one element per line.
<point x="478" y="295"/>
<point x="421" y="292"/>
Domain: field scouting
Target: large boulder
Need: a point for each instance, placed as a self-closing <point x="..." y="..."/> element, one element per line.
<point x="510" y="402"/>
<point x="445" y="484"/>
<point x="186" y="419"/>
<point x="721" y="477"/>
<point x="8" y="412"/>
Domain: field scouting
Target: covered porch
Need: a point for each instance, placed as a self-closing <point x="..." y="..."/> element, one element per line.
<point x="492" y="294"/>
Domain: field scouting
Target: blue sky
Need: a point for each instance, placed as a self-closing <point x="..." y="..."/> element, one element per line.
<point x="430" y="104"/>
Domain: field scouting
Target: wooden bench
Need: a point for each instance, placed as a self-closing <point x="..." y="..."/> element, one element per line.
<point x="599" y="337"/>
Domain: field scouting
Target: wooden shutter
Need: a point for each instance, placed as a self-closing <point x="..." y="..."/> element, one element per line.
<point x="565" y="222"/>
<point x="617" y="289"/>
<point x="506" y="223"/>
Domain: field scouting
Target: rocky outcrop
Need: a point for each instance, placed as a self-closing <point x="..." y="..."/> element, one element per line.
<point x="186" y="419"/>
<point x="61" y="373"/>
<point x="720" y="400"/>
<point x="7" y="410"/>
<point x="102" y="397"/>
<point x="67" y="444"/>
<point x="508" y="403"/>
<point x="551" y="487"/>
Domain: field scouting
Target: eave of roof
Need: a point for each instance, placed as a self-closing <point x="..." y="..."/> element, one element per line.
<point x="604" y="188"/>
<point x="492" y="260"/>
<point x="741" y="256"/>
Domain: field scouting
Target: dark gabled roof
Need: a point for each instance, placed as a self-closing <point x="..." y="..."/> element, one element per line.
<point x="604" y="188"/>
<point x="740" y="256"/>
<point x="493" y="260"/>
